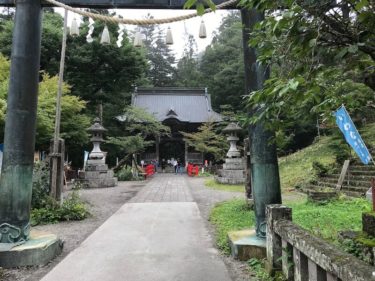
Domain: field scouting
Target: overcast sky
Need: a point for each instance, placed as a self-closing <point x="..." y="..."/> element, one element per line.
<point x="212" y="21"/>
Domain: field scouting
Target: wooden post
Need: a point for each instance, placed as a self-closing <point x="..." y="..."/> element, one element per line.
<point x="344" y="170"/>
<point x="56" y="188"/>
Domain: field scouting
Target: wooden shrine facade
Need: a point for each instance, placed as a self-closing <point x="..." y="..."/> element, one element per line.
<point x="181" y="109"/>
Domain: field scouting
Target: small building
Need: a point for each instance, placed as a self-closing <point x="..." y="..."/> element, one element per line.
<point x="181" y="109"/>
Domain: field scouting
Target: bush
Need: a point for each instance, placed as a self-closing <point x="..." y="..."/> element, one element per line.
<point x="45" y="209"/>
<point x="73" y="208"/>
<point x="125" y="174"/>
<point x="40" y="190"/>
<point x="319" y="169"/>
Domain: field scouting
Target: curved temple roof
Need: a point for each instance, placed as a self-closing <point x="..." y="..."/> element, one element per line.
<point x="184" y="104"/>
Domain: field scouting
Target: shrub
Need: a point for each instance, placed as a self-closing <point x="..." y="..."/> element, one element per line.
<point x="125" y="174"/>
<point x="319" y="169"/>
<point x="40" y="190"/>
<point x="73" y="208"/>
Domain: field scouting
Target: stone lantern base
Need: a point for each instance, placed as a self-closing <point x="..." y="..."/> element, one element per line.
<point x="98" y="175"/>
<point x="233" y="172"/>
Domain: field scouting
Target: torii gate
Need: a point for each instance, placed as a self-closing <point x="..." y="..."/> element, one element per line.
<point x="19" y="140"/>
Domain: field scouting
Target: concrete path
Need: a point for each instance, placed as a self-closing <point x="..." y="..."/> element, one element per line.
<point x="152" y="238"/>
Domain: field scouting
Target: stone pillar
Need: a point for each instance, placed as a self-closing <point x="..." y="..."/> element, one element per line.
<point x="60" y="169"/>
<point x="265" y="179"/>
<point x="19" y="138"/>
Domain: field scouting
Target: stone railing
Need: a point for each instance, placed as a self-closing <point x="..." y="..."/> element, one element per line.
<point x="302" y="256"/>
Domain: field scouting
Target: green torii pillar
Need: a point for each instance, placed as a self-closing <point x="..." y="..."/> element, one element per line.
<point x="19" y="139"/>
<point x="265" y="181"/>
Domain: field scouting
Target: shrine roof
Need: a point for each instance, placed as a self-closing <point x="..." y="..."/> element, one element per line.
<point x="192" y="105"/>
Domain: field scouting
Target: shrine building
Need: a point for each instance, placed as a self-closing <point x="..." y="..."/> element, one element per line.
<point x="181" y="109"/>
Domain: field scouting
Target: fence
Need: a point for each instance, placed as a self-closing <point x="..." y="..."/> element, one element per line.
<point x="302" y="256"/>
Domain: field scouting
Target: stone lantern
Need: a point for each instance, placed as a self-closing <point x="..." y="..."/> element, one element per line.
<point x="231" y="130"/>
<point x="96" y="131"/>
<point x="233" y="171"/>
<point x="96" y="172"/>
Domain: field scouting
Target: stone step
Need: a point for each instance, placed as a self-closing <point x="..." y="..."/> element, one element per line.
<point x="364" y="173"/>
<point x="354" y="177"/>
<point x="362" y="168"/>
<point x="353" y="193"/>
<point x="358" y="189"/>
<point x="325" y="184"/>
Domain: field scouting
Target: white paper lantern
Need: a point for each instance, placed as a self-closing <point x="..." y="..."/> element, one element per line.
<point x="138" y="42"/>
<point x="169" y="37"/>
<point x="105" y="39"/>
<point x="74" y="29"/>
<point x="202" y="30"/>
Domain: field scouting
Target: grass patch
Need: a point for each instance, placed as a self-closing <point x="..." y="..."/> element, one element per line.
<point x="327" y="220"/>
<point x="212" y="184"/>
<point x="324" y="221"/>
<point x="296" y="169"/>
<point x="229" y="216"/>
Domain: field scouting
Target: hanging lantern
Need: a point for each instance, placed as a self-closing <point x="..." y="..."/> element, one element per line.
<point x="105" y="39"/>
<point x="74" y="29"/>
<point x="138" y="39"/>
<point x="169" y="38"/>
<point x="202" y="30"/>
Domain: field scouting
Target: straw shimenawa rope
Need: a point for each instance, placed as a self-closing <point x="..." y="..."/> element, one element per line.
<point x="117" y="20"/>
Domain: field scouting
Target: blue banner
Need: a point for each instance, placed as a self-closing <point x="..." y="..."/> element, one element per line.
<point x="351" y="135"/>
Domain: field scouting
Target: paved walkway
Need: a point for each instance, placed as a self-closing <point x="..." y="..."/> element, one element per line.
<point x="159" y="236"/>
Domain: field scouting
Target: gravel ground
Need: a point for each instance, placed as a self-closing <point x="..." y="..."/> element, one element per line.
<point x="102" y="204"/>
<point x="206" y="199"/>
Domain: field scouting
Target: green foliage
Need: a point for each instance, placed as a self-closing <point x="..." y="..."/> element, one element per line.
<point x="258" y="267"/>
<point x="159" y="56"/>
<point x="340" y="148"/>
<point x="207" y="140"/>
<point x="296" y="169"/>
<point x="141" y="128"/>
<point x="229" y="216"/>
<point x="222" y="67"/>
<point x="200" y="5"/>
<point x="314" y="69"/>
<point x="212" y="184"/>
<point x="73" y="122"/>
<point x="327" y="220"/>
<point x="319" y="168"/>
<point x="125" y="174"/>
<point x="41" y="176"/>
<point x="47" y="210"/>
<point x="71" y="209"/>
